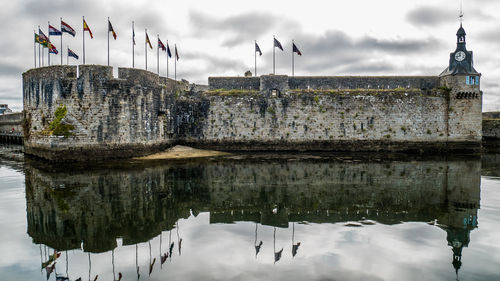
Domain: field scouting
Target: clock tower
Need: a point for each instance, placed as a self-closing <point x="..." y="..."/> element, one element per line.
<point x="461" y="61"/>
<point x="461" y="83"/>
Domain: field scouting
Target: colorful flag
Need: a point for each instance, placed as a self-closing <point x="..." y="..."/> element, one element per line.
<point x="54" y="31"/>
<point x="147" y="41"/>
<point x="168" y="51"/>
<point x="87" y="28"/>
<point x="161" y="46"/>
<point x="110" y="29"/>
<point x="52" y="49"/>
<point x="296" y="50"/>
<point x="68" y="29"/>
<point x="257" y="49"/>
<point x="37" y="39"/>
<point x="277" y="44"/>
<point x="44" y="40"/>
<point x="72" y="54"/>
<point x="176" y="53"/>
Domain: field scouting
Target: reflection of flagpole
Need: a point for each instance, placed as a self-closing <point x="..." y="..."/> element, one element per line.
<point x="66" y="253"/>
<point x="136" y="263"/>
<point x="41" y="259"/>
<point x="113" y="258"/>
<point x="161" y="263"/>
<point x="179" y="240"/>
<point x="90" y="266"/>
<point x="274" y="244"/>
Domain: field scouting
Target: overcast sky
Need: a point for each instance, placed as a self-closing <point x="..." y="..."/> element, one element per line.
<point x="356" y="37"/>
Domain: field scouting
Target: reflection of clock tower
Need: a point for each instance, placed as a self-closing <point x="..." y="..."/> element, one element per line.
<point x="465" y="97"/>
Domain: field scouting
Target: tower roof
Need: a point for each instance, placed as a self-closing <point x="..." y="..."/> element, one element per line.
<point x="461" y="31"/>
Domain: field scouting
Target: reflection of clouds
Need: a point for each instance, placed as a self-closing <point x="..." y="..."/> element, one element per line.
<point x="405" y="251"/>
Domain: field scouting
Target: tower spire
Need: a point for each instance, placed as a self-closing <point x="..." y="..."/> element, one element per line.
<point x="461" y="16"/>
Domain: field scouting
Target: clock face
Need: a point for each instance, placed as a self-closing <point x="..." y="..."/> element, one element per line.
<point x="459" y="56"/>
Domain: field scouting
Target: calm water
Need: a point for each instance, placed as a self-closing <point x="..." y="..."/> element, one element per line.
<point x="286" y="218"/>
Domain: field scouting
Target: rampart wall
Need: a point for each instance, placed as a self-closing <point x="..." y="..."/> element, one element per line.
<point x="112" y="117"/>
<point x="328" y="82"/>
<point x="140" y="113"/>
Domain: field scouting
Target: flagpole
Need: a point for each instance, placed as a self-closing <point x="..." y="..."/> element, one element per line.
<point x="83" y="20"/>
<point x="34" y="48"/>
<point x="274" y="56"/>
<point x="167" y="57"/>
<point x="175" y="63"/>
<point x="48" y="48"/>
<point x="133" y="39"/>
<point x="255" y="54"/>
<point x="108" y="41"/>
<point x="67" y="57"/>
<point x="39" y="53"/>
<point x="293" y="66"/>
<point x="42" y="51"/>
<point x="61" y="43"/>
<point x="146" y="47"/>
<point x="158" y="54"/>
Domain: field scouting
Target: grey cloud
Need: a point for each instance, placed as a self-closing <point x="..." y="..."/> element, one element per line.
<point x="10" y="70"/>
<point x="241" y="28"/>
<point x="491" y="36"/>
<point x="249" y="23"/>
<point x="338" y="52"/>
<point x="429" y="16"/>
<point x="59" y="7"/>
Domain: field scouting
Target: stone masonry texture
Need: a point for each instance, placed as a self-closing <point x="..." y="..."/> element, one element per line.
<point x="140" y="113"/>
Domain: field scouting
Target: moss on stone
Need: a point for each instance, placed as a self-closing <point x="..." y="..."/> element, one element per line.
<point x="56" y="127"/>
<point x="223" y="92"/>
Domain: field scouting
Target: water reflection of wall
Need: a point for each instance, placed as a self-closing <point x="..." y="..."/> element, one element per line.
<point x="96" y="206"/>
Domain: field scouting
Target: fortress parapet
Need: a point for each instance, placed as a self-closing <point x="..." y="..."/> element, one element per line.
<point x="283" y="82"/>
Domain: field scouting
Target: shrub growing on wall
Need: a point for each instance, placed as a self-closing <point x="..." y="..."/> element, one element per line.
<point x="57" y="127"/>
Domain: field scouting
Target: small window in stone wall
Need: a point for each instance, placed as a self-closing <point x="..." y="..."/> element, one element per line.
<point x="472" y="80"/>
<point x="275" y="93"/>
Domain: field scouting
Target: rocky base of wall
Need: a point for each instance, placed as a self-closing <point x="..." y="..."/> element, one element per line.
<point x="92" y="152"/>
<point x="338" y="146"/>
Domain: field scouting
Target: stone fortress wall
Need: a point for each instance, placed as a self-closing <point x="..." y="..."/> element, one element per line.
<point x="140" y="113"/>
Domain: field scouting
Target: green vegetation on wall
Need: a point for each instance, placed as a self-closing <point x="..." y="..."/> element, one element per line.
<point x="56" y="127"/>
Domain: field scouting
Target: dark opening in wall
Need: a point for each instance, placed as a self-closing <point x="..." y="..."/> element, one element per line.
<point x="467" y="95"/>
